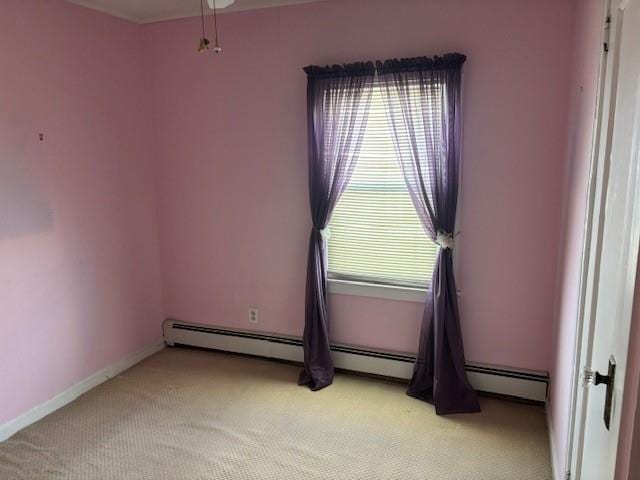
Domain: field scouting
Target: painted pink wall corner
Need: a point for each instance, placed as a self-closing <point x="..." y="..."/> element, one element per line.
<point x="587" y="35"/>
<point x="232" y="171"/>
<point x="80" y="282"/>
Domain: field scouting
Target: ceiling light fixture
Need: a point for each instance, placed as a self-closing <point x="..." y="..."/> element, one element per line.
<point x="205" y="43"/>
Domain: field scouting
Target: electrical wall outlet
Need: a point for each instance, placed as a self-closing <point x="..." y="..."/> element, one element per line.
<point x="253" y="315"/>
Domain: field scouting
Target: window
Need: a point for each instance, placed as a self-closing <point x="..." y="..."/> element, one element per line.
<point x="375" y="233"/>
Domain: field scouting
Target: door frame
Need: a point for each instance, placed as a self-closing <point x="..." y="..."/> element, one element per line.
<point x="601" y="144"/>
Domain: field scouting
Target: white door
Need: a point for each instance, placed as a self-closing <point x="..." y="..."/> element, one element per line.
<point x="612" y="246"/>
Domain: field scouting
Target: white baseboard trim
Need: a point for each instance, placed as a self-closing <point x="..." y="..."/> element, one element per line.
<point x="555" y="474"/>
<point x="524" y="384"/>
<point x="38" y="412"/>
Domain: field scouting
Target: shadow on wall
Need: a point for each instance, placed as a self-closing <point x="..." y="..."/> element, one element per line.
<point x="23" y="211"/>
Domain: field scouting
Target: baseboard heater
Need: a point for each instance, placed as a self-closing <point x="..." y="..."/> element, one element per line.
<point x="523" y="384"/>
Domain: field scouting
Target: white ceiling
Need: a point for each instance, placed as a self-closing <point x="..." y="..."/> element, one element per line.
<point x="148" y="11"/>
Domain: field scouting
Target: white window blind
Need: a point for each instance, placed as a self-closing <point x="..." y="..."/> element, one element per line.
<point x="376" y="235"/>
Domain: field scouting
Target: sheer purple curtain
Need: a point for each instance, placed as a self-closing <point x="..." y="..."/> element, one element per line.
<point x="422" y="97"/>
<point x="338" y="101"/>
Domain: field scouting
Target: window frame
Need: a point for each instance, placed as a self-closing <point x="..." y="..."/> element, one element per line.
<point x="376" y="290"/>
<point x="362" y="288"/>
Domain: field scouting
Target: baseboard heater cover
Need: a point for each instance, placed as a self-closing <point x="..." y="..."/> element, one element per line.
<point x="524" y="384"/>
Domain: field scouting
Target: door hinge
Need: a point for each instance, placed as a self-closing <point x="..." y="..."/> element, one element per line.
<point x="567" y="476"/>
<point x="607" y="33"/>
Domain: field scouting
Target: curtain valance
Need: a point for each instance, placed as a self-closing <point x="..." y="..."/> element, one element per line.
<point x="347" y="70"/>
<point x="449" y="61"/>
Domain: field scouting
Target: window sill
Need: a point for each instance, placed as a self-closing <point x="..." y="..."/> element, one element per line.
<point x="389" y="292"/>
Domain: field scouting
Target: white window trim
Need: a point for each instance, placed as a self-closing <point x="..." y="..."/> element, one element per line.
<point x="374" y="290"/>
<point x="377" y="290"/>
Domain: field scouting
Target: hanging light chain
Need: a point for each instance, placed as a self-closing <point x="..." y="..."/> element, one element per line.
<point x="216" y="48"/>
<point x="204" y="44"/>
<point x="204" y="41"/>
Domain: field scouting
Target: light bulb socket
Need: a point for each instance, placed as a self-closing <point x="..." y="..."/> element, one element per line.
<point x="204" y="45"/>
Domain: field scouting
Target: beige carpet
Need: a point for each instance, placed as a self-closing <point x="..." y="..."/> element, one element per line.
<point x="186" y="414"/>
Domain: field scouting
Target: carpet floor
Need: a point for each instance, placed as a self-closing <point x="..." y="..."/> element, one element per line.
<point x="196" y="415"/>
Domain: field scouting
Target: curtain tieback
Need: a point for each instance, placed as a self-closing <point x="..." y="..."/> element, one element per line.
<point x="445" y="240"/>
<point x="325" y="233"/>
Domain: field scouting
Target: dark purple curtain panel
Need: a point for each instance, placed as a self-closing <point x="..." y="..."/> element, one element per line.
<point x="338" y="101"/>
<point x="422" y="97"/>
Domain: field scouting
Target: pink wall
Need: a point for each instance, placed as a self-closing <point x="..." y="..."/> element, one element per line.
<point x="587" y="35"/>
<point x="232" y="174"/>
<point x="80" y="283"/>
